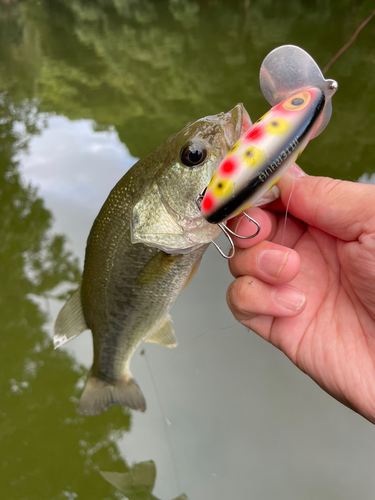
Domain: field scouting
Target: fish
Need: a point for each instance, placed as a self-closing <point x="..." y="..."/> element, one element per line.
<point x="300" y="97"/>
<point x="143" y="248"/>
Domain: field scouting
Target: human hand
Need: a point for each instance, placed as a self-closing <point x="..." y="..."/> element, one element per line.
<point x="310" y="290"/>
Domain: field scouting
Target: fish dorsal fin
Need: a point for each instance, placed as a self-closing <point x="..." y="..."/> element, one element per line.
<point x="138" y="481"/>
<point x="287" y="70"/>
<point x="70" y="322"/>
<point x="164" y="335"/>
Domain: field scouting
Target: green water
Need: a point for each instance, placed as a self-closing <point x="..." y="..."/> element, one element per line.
<point x="85" y="88"/>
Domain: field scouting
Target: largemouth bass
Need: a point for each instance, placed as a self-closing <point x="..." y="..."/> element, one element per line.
<point x="144" y="246"/>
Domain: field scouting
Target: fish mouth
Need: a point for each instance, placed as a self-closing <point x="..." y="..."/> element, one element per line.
<point x="236" y="122"/>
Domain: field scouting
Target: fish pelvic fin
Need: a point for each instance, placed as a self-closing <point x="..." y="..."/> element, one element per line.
<point x="70" y="321"/>
<point x="192" y="273"/>
<point x="98" y="395"/>
<point x="164" y="335"/>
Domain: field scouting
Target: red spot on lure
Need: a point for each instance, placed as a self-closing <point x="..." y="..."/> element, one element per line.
<point x="256" y="132"/>
<point x="228" y="166"/>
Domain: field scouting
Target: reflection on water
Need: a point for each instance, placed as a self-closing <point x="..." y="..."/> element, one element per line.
<point x="85" y="88"/>
<point x="147" y="68"/>
<point x="138" y="482"/>
<point x="39" y="385"/>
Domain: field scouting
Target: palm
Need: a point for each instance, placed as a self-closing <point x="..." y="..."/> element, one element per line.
<point x="316" y="301"/>
<point x="333" y="339"/>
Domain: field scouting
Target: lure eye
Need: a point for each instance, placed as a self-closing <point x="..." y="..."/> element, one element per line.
<point x="193" y="154"/>
<point x="297" y="102"/>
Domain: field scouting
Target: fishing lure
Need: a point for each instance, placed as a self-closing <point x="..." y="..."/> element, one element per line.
<point x="293" y="84"/>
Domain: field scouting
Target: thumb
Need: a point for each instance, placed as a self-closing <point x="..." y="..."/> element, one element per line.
<point x="340" y="208"/>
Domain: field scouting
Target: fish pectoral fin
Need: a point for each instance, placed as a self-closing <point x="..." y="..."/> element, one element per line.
<point x="98" y="395"/>
<point x="70" y="322"/>
<point x="140" y="479"/>
<point x="156" y="269"/>
<point x="164" y="335"/>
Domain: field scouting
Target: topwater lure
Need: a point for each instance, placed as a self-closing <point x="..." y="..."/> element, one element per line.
<point x="293" y="84"/>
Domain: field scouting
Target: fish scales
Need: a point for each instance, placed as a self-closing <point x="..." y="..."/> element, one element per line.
<point x="145" y="243"/>
<point x="123" y="322"/>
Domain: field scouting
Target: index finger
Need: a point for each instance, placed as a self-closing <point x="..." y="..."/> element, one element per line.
<point x="340" y="208"/>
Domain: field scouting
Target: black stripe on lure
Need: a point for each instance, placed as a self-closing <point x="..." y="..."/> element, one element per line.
<point x="300" y="97"/>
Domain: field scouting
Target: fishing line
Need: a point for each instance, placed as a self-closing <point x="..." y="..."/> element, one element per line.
<point x="201" y="335"/>
<point x="166" y="421"/>
<point x="286" y="211"/>
<point x="356" y="33"/>
<point x="326" y="68"/>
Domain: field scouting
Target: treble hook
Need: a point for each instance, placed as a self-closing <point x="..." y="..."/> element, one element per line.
<point x="239" y="236"/>
<point x="232" y="250"/>
<point x="228" y="232"/>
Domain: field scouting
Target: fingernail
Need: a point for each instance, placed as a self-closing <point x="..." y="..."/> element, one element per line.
<point x="289" y="297"/>
<point x="272" y="262"/>
<point x="296" y="171"/>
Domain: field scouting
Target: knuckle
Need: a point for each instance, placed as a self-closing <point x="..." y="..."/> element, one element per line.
<point x="324" y="188"/>
<point x="238" y="295"/>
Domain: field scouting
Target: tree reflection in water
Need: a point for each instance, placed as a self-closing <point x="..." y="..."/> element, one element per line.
<point x="46" y="447"/>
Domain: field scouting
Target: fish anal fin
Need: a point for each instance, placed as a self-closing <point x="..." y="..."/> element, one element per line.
<point x="70" y="321"/>
<point x="164" y="335"/>
<point x="98" y="395"/>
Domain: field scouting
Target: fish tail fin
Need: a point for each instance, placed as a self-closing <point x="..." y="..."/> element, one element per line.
<point x="98" y="395"/>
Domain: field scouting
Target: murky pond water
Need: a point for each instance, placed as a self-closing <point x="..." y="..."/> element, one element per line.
<point x="86" y="88"/>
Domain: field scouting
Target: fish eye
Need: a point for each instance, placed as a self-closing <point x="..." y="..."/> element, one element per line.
<point x="193" y="154"/>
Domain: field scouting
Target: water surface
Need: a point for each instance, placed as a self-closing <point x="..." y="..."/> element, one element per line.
<point x="87" y="88"/>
